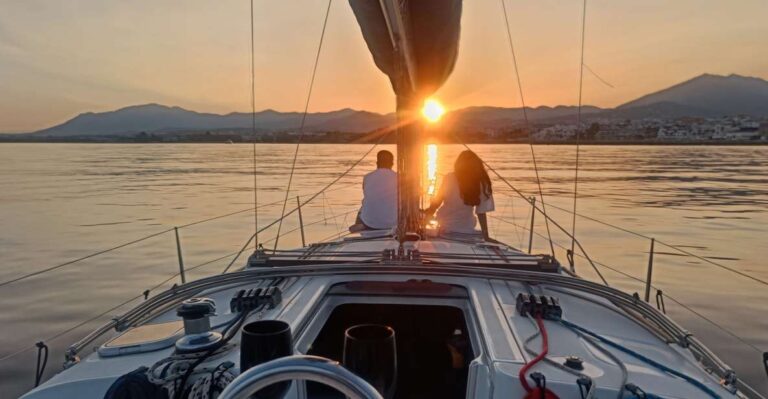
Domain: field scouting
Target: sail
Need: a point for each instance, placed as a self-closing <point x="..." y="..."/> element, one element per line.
<point x="414" y="42"/>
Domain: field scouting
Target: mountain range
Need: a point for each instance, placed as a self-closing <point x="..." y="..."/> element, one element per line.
<point x="703" y="96"/>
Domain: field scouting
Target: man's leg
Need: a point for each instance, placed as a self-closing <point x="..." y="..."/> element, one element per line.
<point x="358" y="226"/>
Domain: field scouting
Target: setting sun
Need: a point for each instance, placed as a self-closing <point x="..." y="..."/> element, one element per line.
<point x="432" y="110"/>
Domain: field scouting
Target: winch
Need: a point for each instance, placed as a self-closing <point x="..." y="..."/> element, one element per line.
<point x="196" y="313"/>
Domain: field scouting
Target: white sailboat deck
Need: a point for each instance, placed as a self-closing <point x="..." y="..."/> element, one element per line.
<point x="497" y="333"/>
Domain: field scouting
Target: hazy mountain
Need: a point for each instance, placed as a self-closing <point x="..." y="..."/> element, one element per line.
<point x="703" y="96"/>
<point x="496" y="117"/>
<point x="708" y="95"/>
<point x="153" y="118"/>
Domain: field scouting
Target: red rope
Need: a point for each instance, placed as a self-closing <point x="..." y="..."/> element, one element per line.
<point x="542" y="355"/>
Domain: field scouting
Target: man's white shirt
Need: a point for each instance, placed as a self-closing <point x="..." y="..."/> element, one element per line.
<point x="379" y="210"/>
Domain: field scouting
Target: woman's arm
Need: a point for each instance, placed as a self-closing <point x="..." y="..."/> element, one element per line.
<point x="435" y="202"/>
<point x="484" y="225"/>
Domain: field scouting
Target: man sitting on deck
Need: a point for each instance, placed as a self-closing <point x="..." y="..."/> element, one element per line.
<point x="379" y="209"/>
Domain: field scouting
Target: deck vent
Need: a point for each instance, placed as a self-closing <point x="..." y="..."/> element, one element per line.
<point x="196" y="313"/>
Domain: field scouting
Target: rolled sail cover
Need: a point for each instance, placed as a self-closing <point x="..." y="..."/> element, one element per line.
<point x="431" y="32"/>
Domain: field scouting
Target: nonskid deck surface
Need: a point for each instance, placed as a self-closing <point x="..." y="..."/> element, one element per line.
<point x="501" y="339"/>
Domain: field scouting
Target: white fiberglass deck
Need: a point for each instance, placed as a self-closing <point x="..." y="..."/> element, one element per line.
<point x="497" y="335"/>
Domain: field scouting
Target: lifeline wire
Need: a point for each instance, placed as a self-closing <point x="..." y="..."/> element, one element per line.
<point x="110" y="310"/>
<point x="671" y="298"/>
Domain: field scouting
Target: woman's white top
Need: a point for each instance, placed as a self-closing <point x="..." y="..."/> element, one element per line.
<point x="455" y="215"/>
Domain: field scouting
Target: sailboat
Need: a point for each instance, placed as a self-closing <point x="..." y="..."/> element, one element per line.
<point x="403" y="313"/>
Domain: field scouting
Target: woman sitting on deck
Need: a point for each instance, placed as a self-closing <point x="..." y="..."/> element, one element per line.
<point x="468" y="188"/>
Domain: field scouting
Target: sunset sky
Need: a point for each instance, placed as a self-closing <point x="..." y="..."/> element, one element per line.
<point x="61" y="58"/>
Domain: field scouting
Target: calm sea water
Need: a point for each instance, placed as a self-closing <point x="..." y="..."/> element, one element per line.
<point x="59" y="202"/>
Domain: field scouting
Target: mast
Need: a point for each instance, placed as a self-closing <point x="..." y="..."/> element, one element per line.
<point x="414" y="42"/>
<point x="409" y="160"/>
<point x="408" y="129"/>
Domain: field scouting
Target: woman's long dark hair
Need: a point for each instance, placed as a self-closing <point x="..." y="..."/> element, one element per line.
<point x="472" y="177"/>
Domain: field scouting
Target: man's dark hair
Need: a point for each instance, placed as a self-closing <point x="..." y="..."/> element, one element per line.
<point x="385" y="159"/>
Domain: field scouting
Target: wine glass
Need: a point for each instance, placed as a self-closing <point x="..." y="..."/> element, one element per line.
<point x="370" y="352"/>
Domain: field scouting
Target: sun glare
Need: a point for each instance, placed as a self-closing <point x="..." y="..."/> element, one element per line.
<point x="432" y="110"/>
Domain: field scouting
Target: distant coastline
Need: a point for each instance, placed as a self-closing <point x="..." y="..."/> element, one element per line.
<point x="356" y="138"/>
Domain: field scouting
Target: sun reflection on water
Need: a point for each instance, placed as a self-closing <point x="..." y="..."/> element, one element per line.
<point x="431" y="169"/>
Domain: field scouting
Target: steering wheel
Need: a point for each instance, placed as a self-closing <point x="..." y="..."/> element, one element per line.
<point x="299" y="367"/>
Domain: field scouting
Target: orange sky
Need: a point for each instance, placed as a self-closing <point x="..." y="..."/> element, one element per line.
<point x="58" y="59"/>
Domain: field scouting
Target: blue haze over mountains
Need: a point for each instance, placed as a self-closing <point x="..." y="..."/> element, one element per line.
<point x="704" y="96"/>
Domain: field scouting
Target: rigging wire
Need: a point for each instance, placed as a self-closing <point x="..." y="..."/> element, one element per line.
<point x="104" y="313"/>
<point x="527" y="123"/>
<point x="303" y="120"/>
<point x="673" y="299"/>
<point x="253" y="136"/>
<point x="48" y="269"/>
<point x="123" y="245"/>
<point x="542" y="211"/>
<point x="578" y="127"/>
<point x="598" y="77"/>
<point x="671" y="246"/>
<point x="315" y="195"/>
